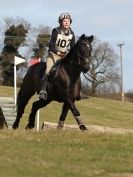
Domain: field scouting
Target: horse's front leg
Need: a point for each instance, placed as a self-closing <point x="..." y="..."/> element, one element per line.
<point x="63" y="115"/>
<point x="35" y="106"/>
<point x="76" y="114"/>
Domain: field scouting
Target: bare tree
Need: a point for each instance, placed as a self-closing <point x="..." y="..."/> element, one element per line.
<point x="104" y="69"/>
<point x="37" y="41"/>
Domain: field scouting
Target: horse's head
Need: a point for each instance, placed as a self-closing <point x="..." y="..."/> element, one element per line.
<point x="83" y="52"/>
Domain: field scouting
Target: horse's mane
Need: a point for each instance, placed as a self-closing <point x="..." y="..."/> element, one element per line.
<point x="69" y="54"/>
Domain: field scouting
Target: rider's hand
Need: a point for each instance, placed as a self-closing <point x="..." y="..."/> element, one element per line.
<point x="62" y="55"/>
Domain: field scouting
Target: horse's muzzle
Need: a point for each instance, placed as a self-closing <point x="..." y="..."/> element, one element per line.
<point x="86" y="68"/>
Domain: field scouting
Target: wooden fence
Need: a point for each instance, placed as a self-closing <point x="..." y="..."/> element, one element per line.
<point x="7" y="112"/>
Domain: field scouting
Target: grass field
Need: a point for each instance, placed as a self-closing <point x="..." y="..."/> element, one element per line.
<point x="55" y="153"/>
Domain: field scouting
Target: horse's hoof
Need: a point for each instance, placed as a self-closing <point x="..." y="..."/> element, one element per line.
<point x="15" y="126"/>
<point x="83" y="127"/>
<point x="28" y="126"/>
<point x="59" y="127"/>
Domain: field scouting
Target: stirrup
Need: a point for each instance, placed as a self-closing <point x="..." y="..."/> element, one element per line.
<point x="43" y="94"/>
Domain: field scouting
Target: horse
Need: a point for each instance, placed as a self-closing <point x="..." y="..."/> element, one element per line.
<point x="64" y="84"/>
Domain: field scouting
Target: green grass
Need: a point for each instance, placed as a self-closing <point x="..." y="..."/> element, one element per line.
<point x="94" y="111"/>
<point x="73" y="153"/>
<point x="65" y="153"/>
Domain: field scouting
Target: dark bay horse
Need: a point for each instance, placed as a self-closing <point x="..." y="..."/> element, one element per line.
<point x="65" y="84"/>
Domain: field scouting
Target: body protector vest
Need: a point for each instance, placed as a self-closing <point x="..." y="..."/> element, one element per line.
<point x="63" y="41"/>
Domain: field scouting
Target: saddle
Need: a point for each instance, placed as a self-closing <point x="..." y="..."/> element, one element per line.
<point x="48" y="81"/>
<point x="53" y="72"/>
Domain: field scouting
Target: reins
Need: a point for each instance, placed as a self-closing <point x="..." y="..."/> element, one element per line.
<point x="94" y="82"/>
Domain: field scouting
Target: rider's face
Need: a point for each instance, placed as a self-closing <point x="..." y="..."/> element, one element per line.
<point x="66" y="23"/>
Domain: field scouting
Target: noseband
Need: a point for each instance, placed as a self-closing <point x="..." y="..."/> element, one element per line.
<point x="82" y="60"/>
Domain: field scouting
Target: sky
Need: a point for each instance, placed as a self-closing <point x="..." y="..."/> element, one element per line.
<point x="108" y="20"/>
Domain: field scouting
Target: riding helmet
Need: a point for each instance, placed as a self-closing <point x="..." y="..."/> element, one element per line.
<point x="64" y="16"/>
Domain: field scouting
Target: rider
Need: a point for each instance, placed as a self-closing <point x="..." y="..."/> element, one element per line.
<point x="62" y="40"/>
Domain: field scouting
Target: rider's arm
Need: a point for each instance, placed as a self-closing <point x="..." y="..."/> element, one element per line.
<point x="52" y="42"/>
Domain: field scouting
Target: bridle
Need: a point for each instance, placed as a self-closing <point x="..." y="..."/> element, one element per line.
<point x="81" y="60"/>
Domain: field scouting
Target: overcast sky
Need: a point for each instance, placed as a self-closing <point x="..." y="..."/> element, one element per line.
<point x="109" y="20"/>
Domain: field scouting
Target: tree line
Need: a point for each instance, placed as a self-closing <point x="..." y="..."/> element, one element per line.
<point x="18" y="34"/>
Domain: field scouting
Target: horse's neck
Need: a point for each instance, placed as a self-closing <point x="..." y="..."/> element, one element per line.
<point x="72" y="69"/>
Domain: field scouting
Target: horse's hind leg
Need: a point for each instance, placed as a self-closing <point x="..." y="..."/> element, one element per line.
<point x="63" y="116"/>
<point x="35" y="106"/>
<point x="21" y="104"/>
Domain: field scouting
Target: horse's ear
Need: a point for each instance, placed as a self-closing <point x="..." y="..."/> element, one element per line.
<point x="90" y="38"/>
<point x="82" y="36"/>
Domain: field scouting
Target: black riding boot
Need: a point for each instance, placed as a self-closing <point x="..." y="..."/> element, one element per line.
<point x="43" y="92"/>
